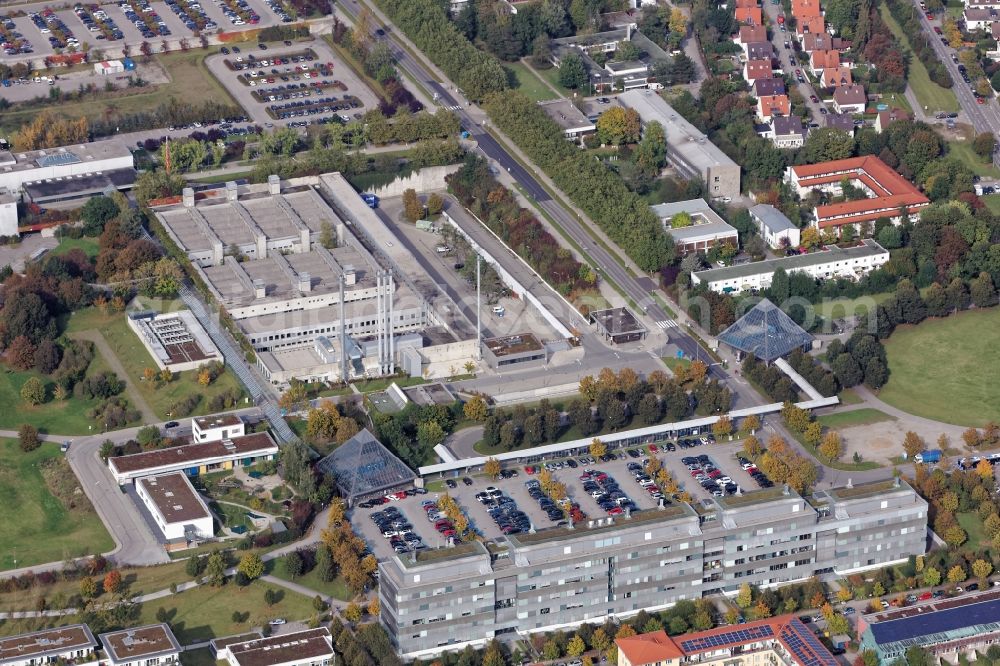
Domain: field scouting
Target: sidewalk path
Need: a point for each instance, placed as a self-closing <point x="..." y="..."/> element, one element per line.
<point x="148" y="415"/>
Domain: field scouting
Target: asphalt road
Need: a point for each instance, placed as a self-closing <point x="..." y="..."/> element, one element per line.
<point x="984" y="117"/>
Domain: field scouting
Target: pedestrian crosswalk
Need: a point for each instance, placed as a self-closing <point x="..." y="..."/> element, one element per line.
<point x="667" y="323"/>
<point x="453" y="107"/>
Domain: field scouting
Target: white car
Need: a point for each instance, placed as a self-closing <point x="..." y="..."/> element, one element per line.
<point x="277" y="622"/>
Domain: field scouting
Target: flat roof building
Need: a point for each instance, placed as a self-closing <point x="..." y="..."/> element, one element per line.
<point x="613" y="567"/>
<point x="618" y="325"/>
<point x="220" y="646"/>
<point x="64" y="164"/>
<point x="141" y="646"/>
<point x="572" y="121"/>
<point x="887" y="192"/>
<point x="177" y="509"/>
<point x="946" y="628"/>
<point x="688" y="149"/>
<point x="175" y="340"/>
<point x="782" y="640"/>
<point x="200" y="457"/>
<point x="311" y="647"/>
<point x="707" y="228"/>
<point x="830" y="263"/>
<point x="72" y="644"/>
<point x="522" y="350"/>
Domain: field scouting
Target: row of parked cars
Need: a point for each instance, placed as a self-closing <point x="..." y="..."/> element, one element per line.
<point x="97" y="20"/>
<point x="145" y="19"/>
<point x="53" y="29"/>
<point x="606" y="492"/>
<point x="638" y="471"/>
<point x="192" y="15"/>
<point x="395" y="527"/>
<point x="504" y="512"/>
<point x="392" y="497"/>
<point x="239" y="12"/>
<point x="710" y="477"/>
<point x="279" y="9"/>
<point x="758" y="476"/>
<point x="971" y="462"/>
<point x="11" y="41"/>
<point x="548" y="505"/>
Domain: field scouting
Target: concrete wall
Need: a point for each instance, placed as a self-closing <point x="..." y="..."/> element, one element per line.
<point x="428" y="178"/>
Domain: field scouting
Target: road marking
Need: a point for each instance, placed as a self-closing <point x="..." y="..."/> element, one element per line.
<point x="667" y="323"/>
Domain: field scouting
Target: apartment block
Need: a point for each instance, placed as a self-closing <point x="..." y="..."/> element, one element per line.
<point x="560" y="577"/>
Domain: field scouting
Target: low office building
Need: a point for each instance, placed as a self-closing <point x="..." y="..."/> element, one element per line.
<point x="210" y="452"/>
<point x="311" y="647"/>
<point x="69" y="167"/>
<point x="573" y="122"/>
<point x="946" y="628"/>
<point x="176" y="508"/>
<point x="522" y="350"/>
<point x="774" y="227"/>
<point x="707" y="228"/>
<point x="220" y="646"/>
<point x="149" y="645"/>
<point x="618" y="325"/>
<point x="849" y="263"/>
<point x="778" y="641"/>
<point x="613" y="567"/>
<point x="887" y="192"/>
<point x="688" y="149"/>
<point x="72" y="644"/>
<point x="8" y="214"/>
<point x="176" y="340"/>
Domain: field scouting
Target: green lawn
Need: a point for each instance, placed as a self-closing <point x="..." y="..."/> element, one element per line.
<point x="190" y="81"/>
<point x="206" y="612"/>
<point x="335" y="588"/>
<point x="973" y="526"/>
<point x="200" y="657"/>
<point x="839" y="308"/>
<point x="134" y="357"/>
<point x="992" y="202"/>
<point x="897" y="101"/>
<point x="552" y="76"/>
<point x="525" y="80"/>
<point x="88" y="245"/>
<point x="962" y="150"/>
<point x="929" y="94"/>
<point x="61" y="417"/>
<point x="38" y="528"/>
<point x="855" y="417"/>
<point x="946" y="369"/>
<point x="850" y="397"/>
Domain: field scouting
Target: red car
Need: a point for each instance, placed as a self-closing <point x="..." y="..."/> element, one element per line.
<point x="528" y="469"/>
<point x="616" y="511"/>
<point x="925" y="596"/>
<point x="980" y="100"/>
<point x="653" y="448"/>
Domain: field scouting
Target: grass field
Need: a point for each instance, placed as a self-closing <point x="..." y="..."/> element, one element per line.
<point x="88" y="245"/>
<point x="61" y="417"/>
<point x="335" y="588"/>
<point x="945" y="369"/>
<point x="992" y="202"/>
<point x="134" y="357"/>
<point x="897" y="101"/>
<point x="839" y="308"/>
<point x="973" y="526"/>
<point x="855" y="417"/>
<point x="929" y="94"/>
<point x="38" y="528"/>
<point x="849" y="397"/>
<point x="962" y="150"/>
<point x="206" y="612"/>
<point x="552" y="76"/>
<point x="190" y="81"/>
<point x="525" y="80"/>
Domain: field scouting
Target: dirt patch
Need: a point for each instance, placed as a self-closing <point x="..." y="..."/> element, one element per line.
<point x="880" y="442"/>
<point x="62" y="483"/>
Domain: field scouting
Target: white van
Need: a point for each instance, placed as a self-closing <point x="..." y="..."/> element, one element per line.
<point x="499" y="310"/>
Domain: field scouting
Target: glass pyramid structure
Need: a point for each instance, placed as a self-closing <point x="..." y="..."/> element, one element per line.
<point x="766" y="332"/>
<point x="363" y="467"/>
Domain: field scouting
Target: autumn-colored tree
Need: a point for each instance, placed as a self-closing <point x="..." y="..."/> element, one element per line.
<point x="33" y="391"/>
<point x="599" y="640"/>
<point x="166" y="376"/>
<point x="796" y="418"/>
<point x="971" y="437"/>
<point x="813" y="433"/>
<point x="352" y="613"/>
<point x="598" y="448"/>
<point x="46" y="130"/>
<point x="413" y="208"/>
<point x="373" y="607"/>
<point x="982" y="569"/>
<point x="744" y="597"/>
<point x="21" y="353"/>
<point x="723" y="427"/>
<point x="830" y="448"/>
<point x="149" y="374"/>
<point x="475" y="409"/>
<point x="251" y="565"/>
<point x="751" y="424"/>
<point x="751" y="447"/>
<point x="625" y="631"/>
<point x="589" y="388"/>
<point x="932" y="576"/>
<point x="913" y="444"/>
<point x="492" y="468"/>
<point x="697" y="371"/>
<point x="576" y="646"/>
<point x="761" y="610"/>
<point x="113" y="583"/>
<point x="204" y="377"/>
<point x="88" y="587"/>
<point x="956" y="574"/>
<point x="28" y="438"/>
<point x="984" y="469"/>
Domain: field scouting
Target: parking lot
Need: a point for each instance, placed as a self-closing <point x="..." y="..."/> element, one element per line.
<point x="612" y="486"/>
<point x="294" y="84"/>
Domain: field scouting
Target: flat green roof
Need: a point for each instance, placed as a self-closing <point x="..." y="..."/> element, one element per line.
<point x="581" y="529"/>
<point x="867" y="489"/>
<point x="755" y="497"/>
<point x="442" y="554"/>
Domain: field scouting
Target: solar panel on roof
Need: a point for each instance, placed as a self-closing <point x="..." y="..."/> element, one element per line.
<point x="735" y="637"/>
<point x="58" y="159"/>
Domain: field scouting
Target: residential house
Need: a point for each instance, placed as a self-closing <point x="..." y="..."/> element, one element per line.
<point x="834" y="77"/>
<point x="812" y="25"/>
<point x="759" y="51"/>
<point x="803" y="9"/>
<point x="788" y="132"/>
<point x="751" y="34"/>
<point x="757" y="69"/>
<point x="849" y="99"/>
<point x="822" y="41"/>
<point x="749" y="15"/>
<point x="886" y="118"/>
<point x="820" y="60"/>
<point x="841" y="121"/>
<point x="772" y="86"/>
<point x="979" y="18"/>
<point x="991" y="4"/>
<point x="774" y="226"/>
<point x="772" y="105"/>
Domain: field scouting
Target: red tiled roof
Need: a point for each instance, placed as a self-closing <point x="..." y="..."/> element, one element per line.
<point x="747" y="3"/>
<point x="837" y="76"/>
<point x="750" y="34"/>
<point x="758" y="69"/>
<point x="774" y="104"/>
<point x="649" y="648"/>
<point x="802" y="9"/>
<point x="825" y="59"/>
<point x="811" y="24"/>
<point x="750" y="15"/>
<point x="852" y="94"/>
